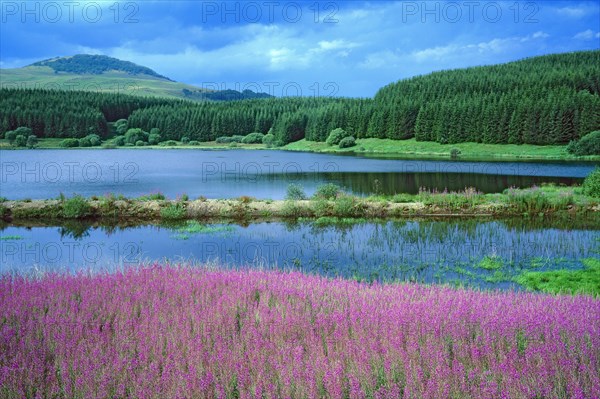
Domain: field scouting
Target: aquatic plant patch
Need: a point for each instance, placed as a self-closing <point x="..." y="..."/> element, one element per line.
<point x="583" y="281"/>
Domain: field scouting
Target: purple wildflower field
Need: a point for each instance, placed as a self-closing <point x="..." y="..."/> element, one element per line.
<point x="183" y="332"/>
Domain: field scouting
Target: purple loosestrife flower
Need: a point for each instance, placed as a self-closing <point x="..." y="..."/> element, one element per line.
<point x="160" y="331"/>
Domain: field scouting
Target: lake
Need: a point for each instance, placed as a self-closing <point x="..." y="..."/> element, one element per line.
<point x="42" y="174"/>
<point x="478" y="253"/>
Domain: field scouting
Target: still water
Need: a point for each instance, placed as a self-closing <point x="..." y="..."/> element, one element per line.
<point x="43" y="174"/>
<point x="486" y="254"/>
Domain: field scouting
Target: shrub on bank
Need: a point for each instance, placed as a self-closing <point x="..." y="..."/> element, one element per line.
<point x="76" y="207"/>
<point x="229" y="140"/>
<point x="347" y="142"/>
<point x="587" y="145"/>
<point x="154" y="138"/>
<point x="91" y="140"/>
<point x="20" y="141"/>
<point x="321" y="207"/>
<point x="119" y="141"/>
<point x="134" y="135"/>
<point x="121" y="126"/>
<point x="32" y="141"/>
<point x="268" y="139"/>
<point x="348" y="206"/>
<point x="591" y="184"/>
<point x="336" y="135"/>
<point x="253" y="138"/>
<point x="327" y="191"/>
<point x="11" y="135"/>
<point x="84" y="142"/>
<point x="295" y="192"/>
<point x="69" y="143"/>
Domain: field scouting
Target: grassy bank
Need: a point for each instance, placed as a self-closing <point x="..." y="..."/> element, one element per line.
<point x="427" y="149"/>
<point x="328" y="202"/>
<point x="411" y="149"/>
<point x="271" y="334"/>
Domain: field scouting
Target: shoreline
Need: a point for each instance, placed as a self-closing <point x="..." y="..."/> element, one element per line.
<point x="545" y="201"/>
<point x="377" y="148"/>
<point x="231" y="209"/>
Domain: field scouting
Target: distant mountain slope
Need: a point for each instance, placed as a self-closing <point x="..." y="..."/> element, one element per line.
<point x="104" y="74"/>
<point x="96" y="65"/>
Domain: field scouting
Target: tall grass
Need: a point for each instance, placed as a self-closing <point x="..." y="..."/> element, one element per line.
<point x="466" y="199"/>
<point x="76" y="207"/>
<point x="161" y="332"/>
<point x="543" y="199"/>
<point x="528" y="201"/>
<point x="173" y="211"/>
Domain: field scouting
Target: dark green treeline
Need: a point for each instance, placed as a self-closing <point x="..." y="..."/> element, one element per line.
<point x="543" y="100"/>
<point x="56" y="113"/>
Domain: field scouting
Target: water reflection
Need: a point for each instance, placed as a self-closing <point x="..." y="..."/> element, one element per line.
<point x="260" y="173"/>
<point x="473" y="252"/>
<point x="366" y="183"/>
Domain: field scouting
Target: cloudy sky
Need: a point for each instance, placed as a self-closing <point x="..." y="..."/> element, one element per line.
<point x="344" y="48"/>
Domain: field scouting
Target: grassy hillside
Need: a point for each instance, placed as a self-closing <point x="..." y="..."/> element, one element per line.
<point x="104" y="74"/>
<point x="44" y="77"/>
